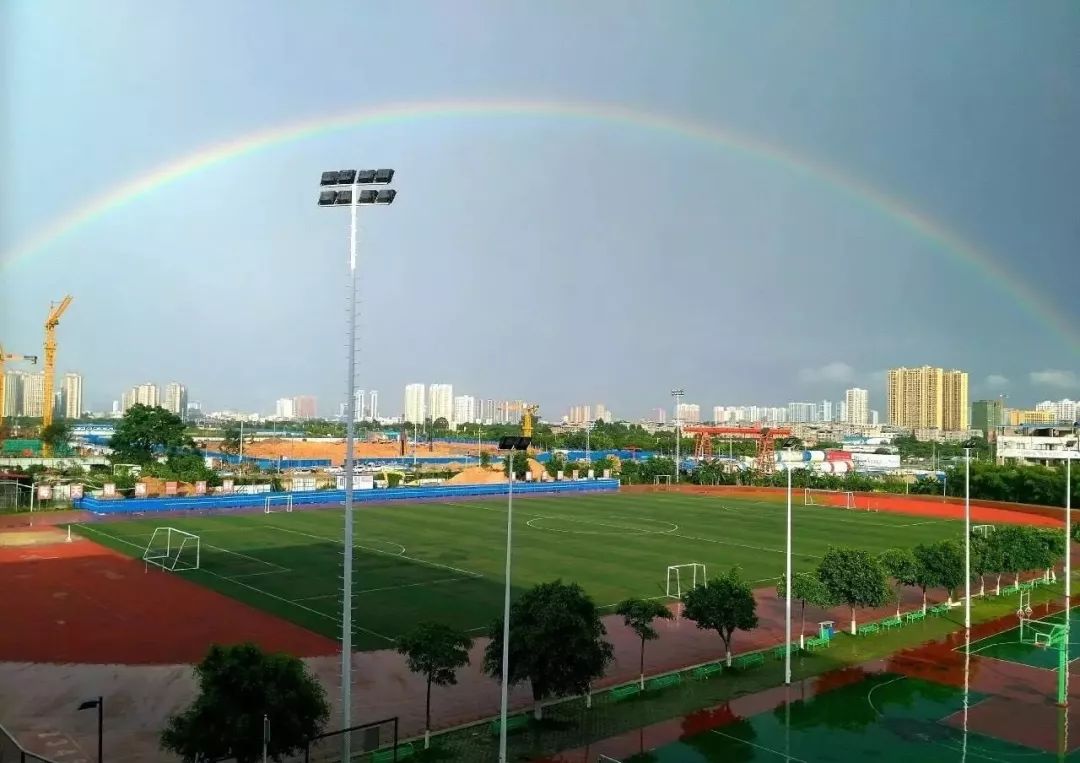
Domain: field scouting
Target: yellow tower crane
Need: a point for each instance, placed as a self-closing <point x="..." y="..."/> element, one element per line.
<point x="4" y="357"/>
<point x="55" y="311"/>
<point x="527" y="420"/>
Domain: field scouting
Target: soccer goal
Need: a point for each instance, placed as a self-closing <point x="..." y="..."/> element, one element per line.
<point x="819" y="497"/>
<point x="983" y="530"/>
<point x="683" y="577"/>
<point x="662" y="480"/>
<point x="275" y="503"/>
<point x="172" y="549"/>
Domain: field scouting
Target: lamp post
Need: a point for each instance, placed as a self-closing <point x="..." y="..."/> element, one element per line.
<point x="788" y="587"/>
<point x="344" y="188"/>
<point x="967" y="539"/>
<point x="510" y="445"/>
<point x="677" y="394"/>
<point x="99" y="703"/>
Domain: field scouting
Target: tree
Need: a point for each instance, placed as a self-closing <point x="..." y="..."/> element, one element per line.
<point x="521" y="464"/>
<point x="900" y="565"/>
<point x="238" y="685"/>
<point x="56" y="435"/>
<point x="230" y="439"/>
<point x="485" y="458"/>
<point x="807" y="589"/>
<point x="556" y="642"/>
<point x="435" y="651"/>
<point x="855" y="578"/>
<point x="440" y="424"/>
<point x="146" y="432"/>
<point x="1015" y="544"/>
<point x="941" y="565"/>
<point x="638" y="615"/>
<point x="726" y="604"/>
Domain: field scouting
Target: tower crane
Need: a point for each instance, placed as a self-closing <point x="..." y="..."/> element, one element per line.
<point x="527" y="419"/>
<point x="55" y="311"/>
<point x="4" y="357"/>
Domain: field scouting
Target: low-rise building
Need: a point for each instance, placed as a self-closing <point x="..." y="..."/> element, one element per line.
<point x="1049" y="446"/>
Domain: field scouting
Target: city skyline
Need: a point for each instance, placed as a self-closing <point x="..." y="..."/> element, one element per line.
<point x="829" y="191"/>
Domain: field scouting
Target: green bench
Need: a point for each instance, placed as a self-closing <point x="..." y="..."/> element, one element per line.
<point x="704" y="671"/>
<point x="1009" y="589"/>
<point x="916" y="616"/>
<point x="1027" y="586"/>
<point x="748" y="660"/>
<point x="513" y="723"/>
<point x="663" y="682"/>
<point x="780" y="652"/>
<point x="868" y="629"/>
<point x="387" y="756"/>
<point x="623" y="692"/>
<point x="811" y="644"/>
<point x="892" y="622"/>
<point x="939" y="609"/>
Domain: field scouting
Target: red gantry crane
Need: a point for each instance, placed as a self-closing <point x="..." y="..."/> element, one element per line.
<point x="765" y="437"/>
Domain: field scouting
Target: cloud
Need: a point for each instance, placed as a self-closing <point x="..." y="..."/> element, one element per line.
<point x="830" y="372"/>
<point x="1054" y="378"/>
<point x="995" y="381"/>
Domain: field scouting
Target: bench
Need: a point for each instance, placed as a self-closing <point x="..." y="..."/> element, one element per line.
<point x="623" y="692"/>
<point x="1027" y="586"/>
<point x="892" y="622"/>
<point x="869" y="628"/>
<point x="1009" y="589"/>
<point x="663" y="682"/>
<point x="513" y="723"/>
<point x="387" y="756"/>
<point x="817" y="642"/>
<point x="939" y="609"/>
<point x="748" y="660"/>
<point x="779" y="652"/>
<point x="916" y="616"/>
<point x="704" y="671"/>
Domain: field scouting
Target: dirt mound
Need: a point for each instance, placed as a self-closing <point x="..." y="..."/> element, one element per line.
<point x="477" y="475"/>
<point x="155" y="486"/>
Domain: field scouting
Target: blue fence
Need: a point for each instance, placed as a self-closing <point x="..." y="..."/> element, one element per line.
<point x="334" y="497"/>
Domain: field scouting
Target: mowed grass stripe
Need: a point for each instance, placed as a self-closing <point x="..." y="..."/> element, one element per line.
<point x="614" y="545"/>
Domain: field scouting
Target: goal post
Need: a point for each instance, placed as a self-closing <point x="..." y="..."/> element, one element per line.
<point x="172" y="549"/>
<point x="684" y="577"/>
<point x="844" y="499"/>
<point x="662" y="480"/>
<point x="275" y="503"/>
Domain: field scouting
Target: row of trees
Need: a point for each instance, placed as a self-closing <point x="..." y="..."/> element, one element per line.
<point x="1014" y="483"/>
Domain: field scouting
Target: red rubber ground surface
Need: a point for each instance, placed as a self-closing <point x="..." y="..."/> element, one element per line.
<point x="80" y="602"/>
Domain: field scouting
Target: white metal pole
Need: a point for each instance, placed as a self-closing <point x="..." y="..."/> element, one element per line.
<point x="788" y="587"/>
<point x="504" y="689"/>
<point x="240" y="463"/>
<point x="967" y="538"/>
<point x="266" y="736"/>
<point x="1068" y="531"/>
<point x="350" y="468"/>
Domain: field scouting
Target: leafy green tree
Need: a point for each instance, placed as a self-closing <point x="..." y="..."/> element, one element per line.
<point x="942" y="565"/>
<point x="556" y="642"/>
<point x="638" y="615"/>
<point x="1048" y="547"/>
<point x="485" y="458"/>
<point x="1018" y="549"/>
<point x="146" y="432"/>
<point x="855" y="578"/>
<point x="238" y="685"/>
<point x="230" y="439"/>
<point x="900" y="565"/>
<point x="56" y="435"/>
<point x="440" y="424"/>
<point x="726" y="604"/>
<point x="435" y="651"/>
<point x="521" y="464"/>
<point x="555" y="464"/>
<point x="807" y="589"/>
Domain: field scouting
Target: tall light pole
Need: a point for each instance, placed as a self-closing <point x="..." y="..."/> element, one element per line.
<point x="967" y="539"/>
<point x="510" y="445"/>
<point x="788" y="587"/>
<point x="677" y="394"/>
<point x="99" y="703"/>
<point x="344" y="188"/>
<point x="1068" y="532"/>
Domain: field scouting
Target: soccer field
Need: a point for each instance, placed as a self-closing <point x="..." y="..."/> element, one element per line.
<point x="444" y="561"/>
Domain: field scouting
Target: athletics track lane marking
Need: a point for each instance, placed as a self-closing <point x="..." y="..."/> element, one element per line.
<point x="320" y="613"/>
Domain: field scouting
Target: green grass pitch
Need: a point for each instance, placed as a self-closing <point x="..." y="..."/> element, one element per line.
<point x="444" y="561"/>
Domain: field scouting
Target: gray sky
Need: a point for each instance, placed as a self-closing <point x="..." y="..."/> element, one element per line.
<point x="545" y="256"/>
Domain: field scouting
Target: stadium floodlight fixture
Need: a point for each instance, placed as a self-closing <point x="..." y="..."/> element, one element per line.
<point x="345" y="188"/>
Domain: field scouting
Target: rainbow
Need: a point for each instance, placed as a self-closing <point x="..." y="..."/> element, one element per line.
<point x="904" y="215"/>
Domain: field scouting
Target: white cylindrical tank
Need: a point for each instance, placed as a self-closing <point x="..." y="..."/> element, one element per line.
<point x="814" y="456"/>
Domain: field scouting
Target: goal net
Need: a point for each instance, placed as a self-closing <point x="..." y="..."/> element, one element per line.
<point x="275" y="503"/>
<point x="662" y="480"/>
<point x="172" y="549"/>
<point x="983" y="530"/>
<point x="844" y="499"/>
<point x="683" y="577"/>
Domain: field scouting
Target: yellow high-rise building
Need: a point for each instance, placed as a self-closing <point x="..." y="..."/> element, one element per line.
<point x="928" y="398"/>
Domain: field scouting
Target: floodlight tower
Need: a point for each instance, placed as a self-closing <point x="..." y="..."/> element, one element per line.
<point x="345" y="188"/>
<point x="677" y="394"/>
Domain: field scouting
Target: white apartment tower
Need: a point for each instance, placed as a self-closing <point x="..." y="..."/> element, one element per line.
<point x="414" y="403"/>
<point x="71" y="396"/>
<point x="176" y="399"/>
<point x="441" y="402"/>
<point x="283" y="408"/>
<point x="373" y="406"/>
<point x="464" y="409"/>
<point x="857" y="405"/>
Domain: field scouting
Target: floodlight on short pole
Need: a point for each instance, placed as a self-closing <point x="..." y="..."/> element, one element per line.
<point x="510" y="445"/>
<point x="967" y="538"/>
<point x="677" y="394"/>
<point x="99" y="703"/>
<point x="789" y="585"/>
<point x="343" y="188"/>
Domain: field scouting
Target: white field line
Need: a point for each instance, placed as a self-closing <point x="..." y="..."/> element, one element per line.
<point x="279" y="567"/>
<point x="742" y="508"/>
<point x="385" y="588"/>
<point x="332" y="618"/>
<point x="470" y="573"/>
<point x="777" y="753"/>
<point x="257" y="574"/>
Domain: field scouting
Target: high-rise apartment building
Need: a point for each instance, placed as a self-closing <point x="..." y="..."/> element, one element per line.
<point x="71" y="396"/>
<point x="143" y="394"/>
<point x="305" y="407"/>
<point x="1063" y="410"/>
<point x="32" y="397"/>
<point x="658" y="416"/>
<point x="875" y="418"/>
<point x="487" y="411"/>
<point x="440" y="402"/>
<point x="415" y="405"/>
<point x="580" y="414"/>
<point x="986" y="417"/>
<point x="602" y="414"/>
<point x="802" y="413"/>
<point x="857" y="406"/>
<point x="283" y="408"/>
<point x="373" y="405"/>
<point x="13" y="392"/>
<point x="464" y="409"/>
<point x="688" y="413"/>
<point x="825" y="411"/>
<point x="176" y="399"/>
<point x="928" y="398"/>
